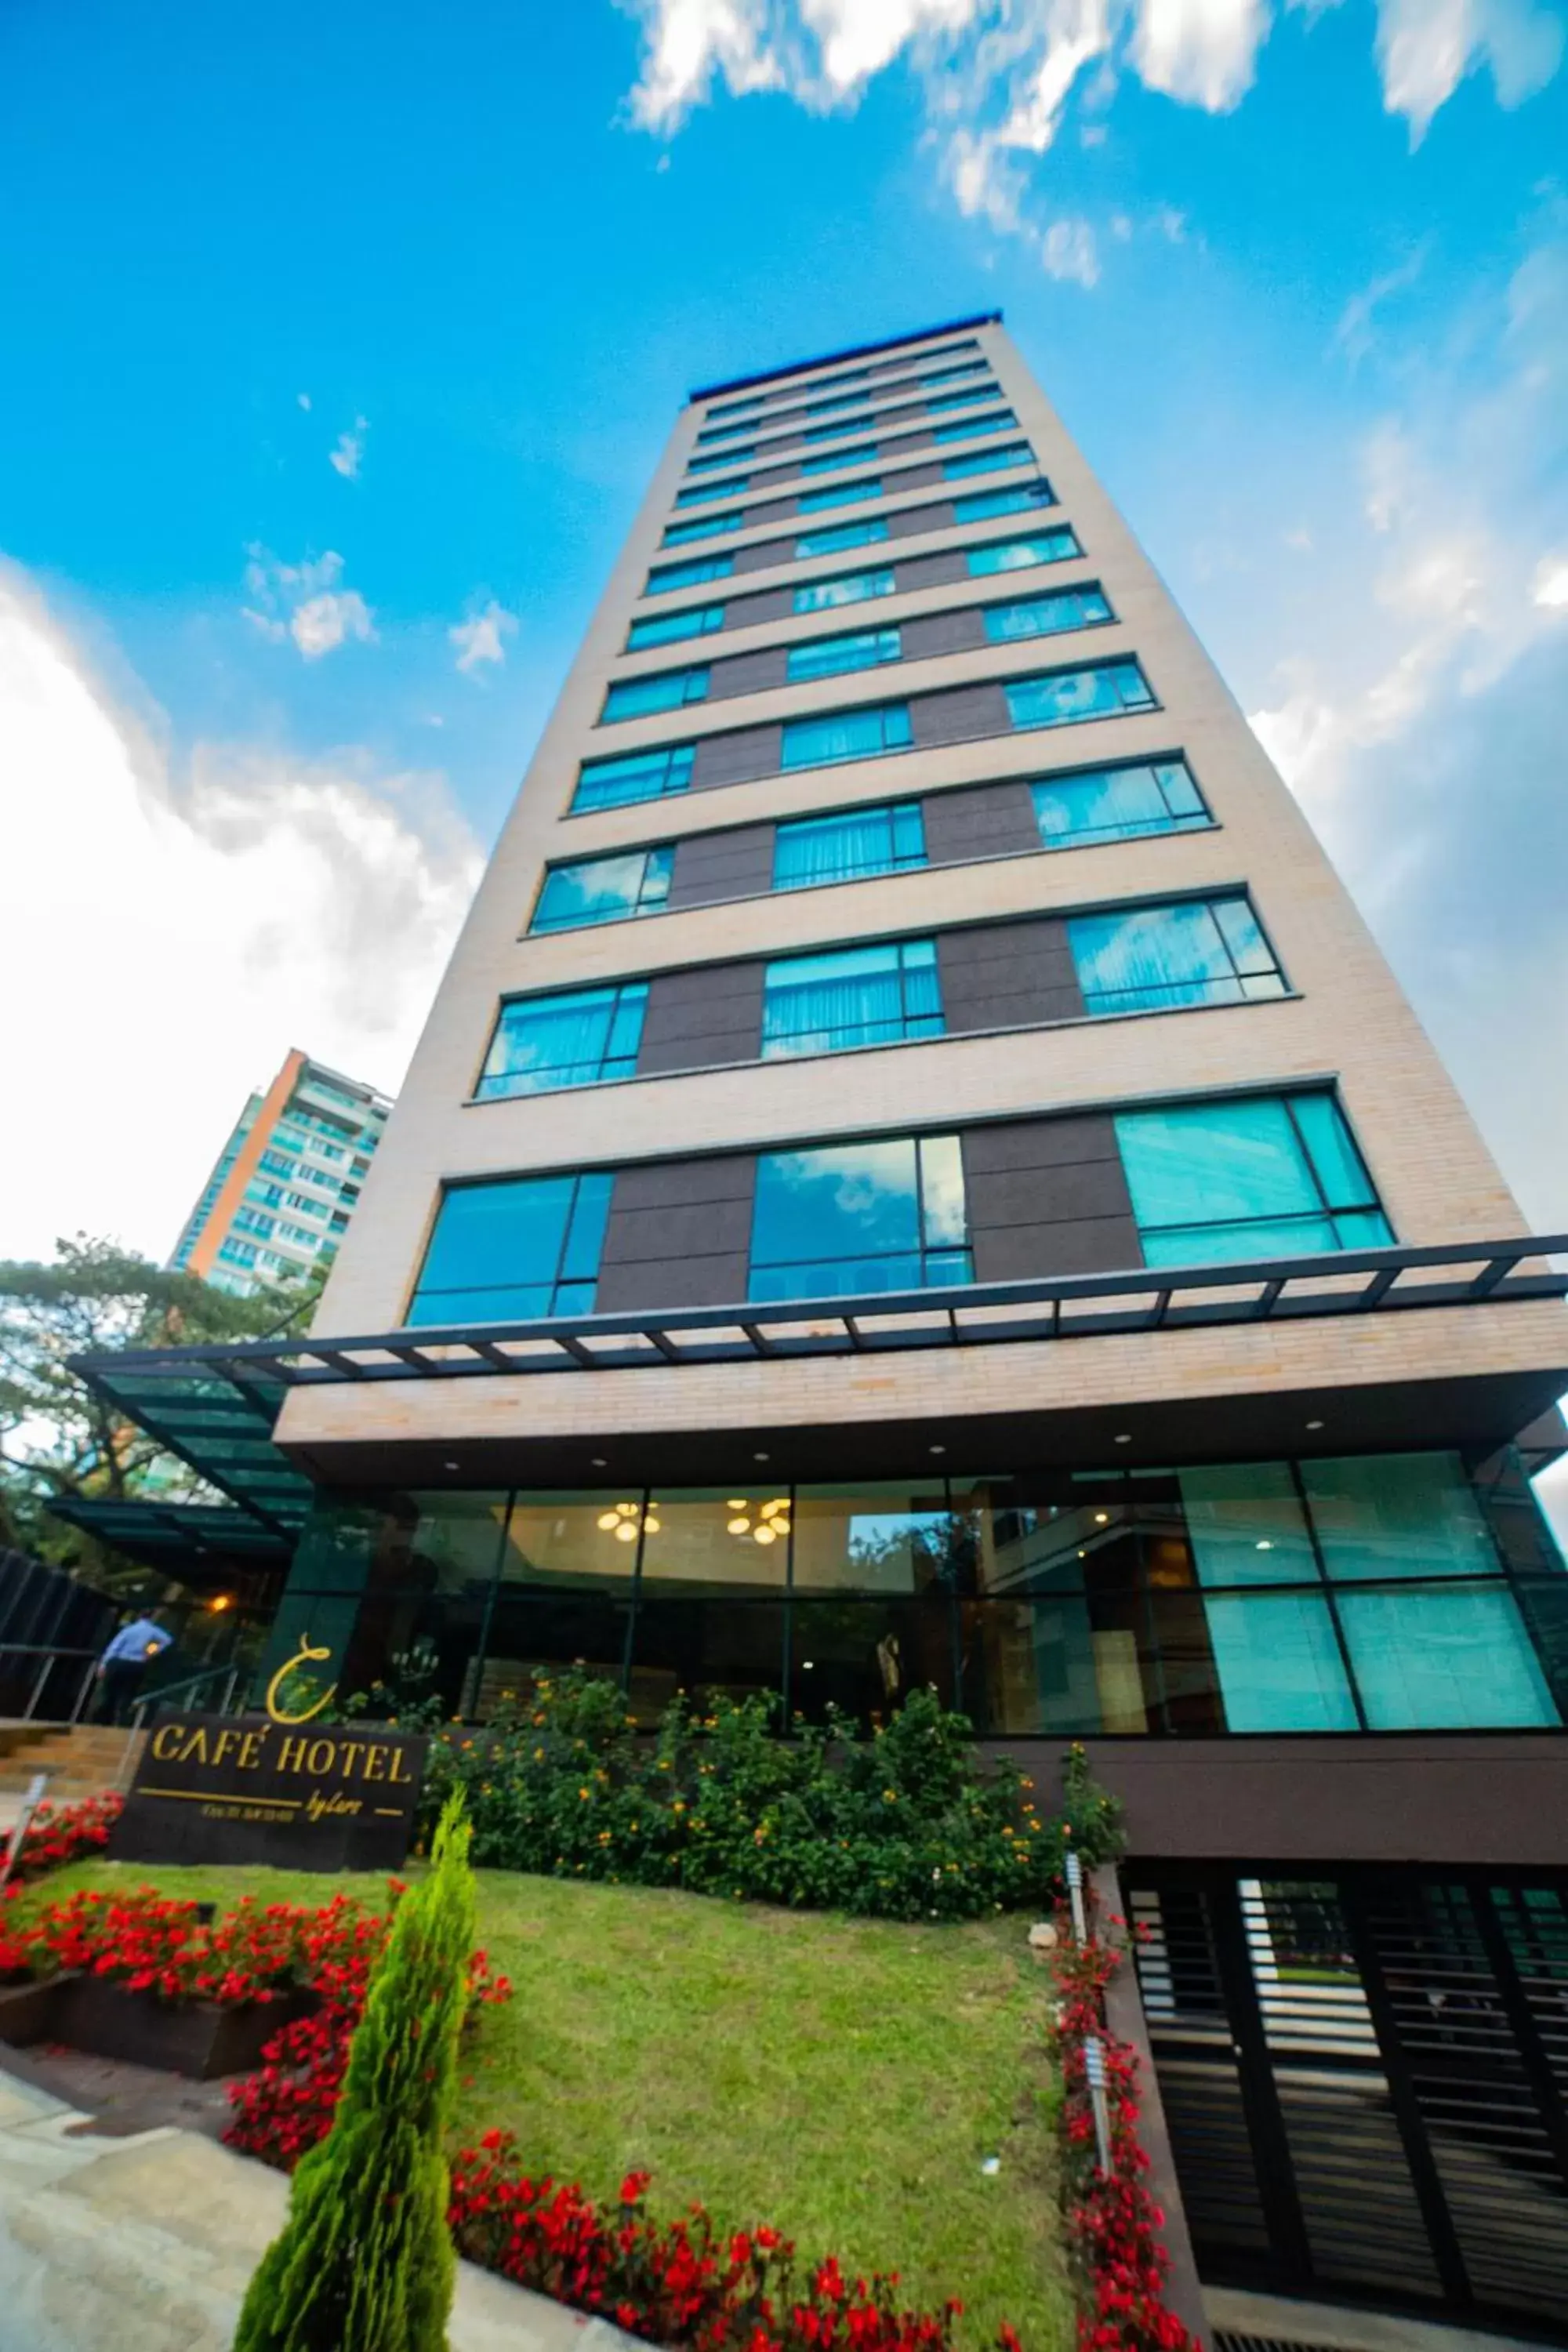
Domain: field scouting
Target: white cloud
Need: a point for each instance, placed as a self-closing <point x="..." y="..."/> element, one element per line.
<point x="167" y="936"/>
<point x="997" y="76"/>
<point x="1550" y="587"/>
<point x="480" y="639"/>
<point x="304" y="601"/>
<point x="1203" y="52"/>
<point x="1068" y="250"/>
<point x="303" y="398"/>
<point x="1425" y="47"/>
<point x="345" y="459"/>
<point x="1353" y="333"/>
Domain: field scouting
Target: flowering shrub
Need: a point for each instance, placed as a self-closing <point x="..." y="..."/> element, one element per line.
<point x="60" y="1833"/>
<point x="899" y="1824"/>
<point x="150" y="1943"/>
<point x="287" y="2106"/>
<point x="1114" y="2223"/>
<point x="679" y="2283"/>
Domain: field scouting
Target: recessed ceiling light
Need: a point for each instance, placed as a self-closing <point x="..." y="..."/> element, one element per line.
<point x="1315" y="1424"/>
<point x="452" y="1465"/>
<point x="1264" y="1545"/>
<point x="1102" y="1519"/>
<point x="761" y="1457"/>
<point x="939" y="1449"/>
<point x="806" y="1664"/>
<point x="599" y="1462"/>
<point x="1124" y="1437"/>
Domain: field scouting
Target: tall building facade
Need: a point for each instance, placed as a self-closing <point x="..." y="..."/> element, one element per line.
<point x="284" y="1186"/>
<point x="917" y="1175"/>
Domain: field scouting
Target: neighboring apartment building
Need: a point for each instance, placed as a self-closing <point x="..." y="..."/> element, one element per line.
<point x="284" y="1186"/>
<point x="917" y="1173"/>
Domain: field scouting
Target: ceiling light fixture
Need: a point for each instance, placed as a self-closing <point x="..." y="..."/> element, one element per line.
<point x="1315" y="1424"/>
<point x="1125" y="1437"/>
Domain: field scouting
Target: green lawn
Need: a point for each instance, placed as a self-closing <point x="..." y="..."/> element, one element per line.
<point x="843" y="2079"/>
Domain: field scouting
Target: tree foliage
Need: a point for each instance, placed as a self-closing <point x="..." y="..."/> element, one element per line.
<point x="58" y="1436"/>
<point x="364" y="2263"/>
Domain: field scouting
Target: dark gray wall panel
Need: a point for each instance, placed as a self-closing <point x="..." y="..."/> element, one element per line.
<point x="1047" y="1196"/>
<point x="1008" y="976"/>
<point x="941" y="570"/>
<point x="931" y="633"/>
<point x="988" y="820"/>
<point x="752" y="673"/>
<point x="736" y="758"/>
<point x="959" y="714"/>
<point x="910" y="521"/>
<point x="758" y="558"/>
<point x="767" y="605"/>
<point x="913" y="477"/>
<point x="771" y="510"/>
<point x="679" y="1236"/>
<point x="696" y="1020"/>
<point x="737" y="863"/>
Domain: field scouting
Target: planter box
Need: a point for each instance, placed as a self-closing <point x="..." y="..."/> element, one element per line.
<point x="198" y="2039"/>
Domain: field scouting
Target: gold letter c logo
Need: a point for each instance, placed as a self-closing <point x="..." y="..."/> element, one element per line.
<point x="303" y="1655"/>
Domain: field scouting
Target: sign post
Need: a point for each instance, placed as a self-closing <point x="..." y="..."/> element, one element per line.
<point x="37" y="1790"/>
<point x="247" y="1788"/>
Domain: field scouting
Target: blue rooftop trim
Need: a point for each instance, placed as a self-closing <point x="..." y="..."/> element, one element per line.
<point x="852" y="352"/>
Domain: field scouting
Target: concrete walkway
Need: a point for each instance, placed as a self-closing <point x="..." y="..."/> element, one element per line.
<point x="147" y="2245"/>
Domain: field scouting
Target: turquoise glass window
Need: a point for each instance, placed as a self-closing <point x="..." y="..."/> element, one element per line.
<point x="1432" y="1659"/>
<point x="670" y="628"/>
<point x="860" y="1217"/>
<point x="846" y="848"/>
<point x="507" y="1252"/>
<point x="831" y="656"/>
<point x="721" y="457"/>
<point x="963" y="367"/>
<point x="838" y="400"/>
<point x="1117" y="804"/>
<point x="847" y="735"/>
<point x="849" y="588"/>
<point x="957" y="399"/>
<point x="863" y="453"/>
<point x="987" y="461"/>
<point x="695" y="493"/>
<point x="1215" y="1183"/>
<point x="677" y="534"/>
<point x="840" y="535"/>
<point x="832" y="383"/>
<point x="689" y="575"/>
<point x="576" y="1038"/>
<point x="1388" y="1516"/>
<point x="995" y="420"/>
<point x="1045" y="616"/>
<point x="980" y="505"/>
<point x="838" y="494"/>
<point x="640" y="697"/>
<point x="1020" y="554"/>
<point x="726" y="432"/>
<point x="839" y="424"/>
<point x="648" y="775"/>
<point x="1198" y="951"/>
<point x="737" y="407"/>
<point x="1061" y="697"/>
<point x="603" y="890"/>
<point x="852" y="996"/>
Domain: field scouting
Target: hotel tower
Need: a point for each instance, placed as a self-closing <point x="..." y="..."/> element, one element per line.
<point x="917" y="1175"/>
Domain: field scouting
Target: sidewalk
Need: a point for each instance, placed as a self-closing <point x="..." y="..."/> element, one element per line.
<point x="147" y="2244"/>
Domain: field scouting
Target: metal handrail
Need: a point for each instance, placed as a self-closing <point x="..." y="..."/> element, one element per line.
<point x="50" y="1654"/>
<point x="177" y="1693"/>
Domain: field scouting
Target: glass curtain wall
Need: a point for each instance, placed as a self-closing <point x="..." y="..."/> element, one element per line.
<point x="1368" y="1593"/>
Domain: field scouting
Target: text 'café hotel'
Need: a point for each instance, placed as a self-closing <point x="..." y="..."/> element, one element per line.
<point x="916" y="1174"/>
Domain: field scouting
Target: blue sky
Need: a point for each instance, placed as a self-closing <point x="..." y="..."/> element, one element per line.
<point x="342" y="343"/>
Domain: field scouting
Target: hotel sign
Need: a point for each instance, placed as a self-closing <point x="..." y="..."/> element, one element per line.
<point x="247" y="1788"/>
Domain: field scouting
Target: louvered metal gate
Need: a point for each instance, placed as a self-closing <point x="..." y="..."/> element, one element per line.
<point x="1366" y="2081"/>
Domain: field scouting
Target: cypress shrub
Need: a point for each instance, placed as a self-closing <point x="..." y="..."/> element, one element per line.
<point x="364" y="2263"/>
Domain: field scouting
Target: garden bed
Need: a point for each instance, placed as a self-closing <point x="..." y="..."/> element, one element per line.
<point x="198" y="2039"/>
<point x="844" y="2080"/>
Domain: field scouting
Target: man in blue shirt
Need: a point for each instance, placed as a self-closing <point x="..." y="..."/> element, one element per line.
<point x="123" y="1663"/>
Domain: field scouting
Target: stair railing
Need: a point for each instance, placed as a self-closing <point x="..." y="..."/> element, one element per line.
<point x="232" y="1678"/>
<point x="48" y="1657"/>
